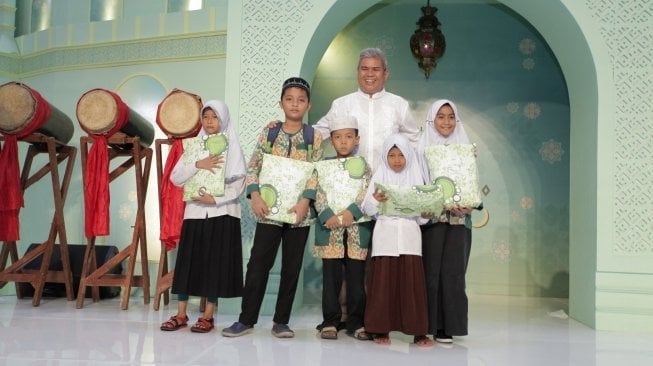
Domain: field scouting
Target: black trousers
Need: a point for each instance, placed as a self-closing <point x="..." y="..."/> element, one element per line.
<point x="332" y="276"/>
<point x="267" y="240"/>
<point x="445" y="252"/>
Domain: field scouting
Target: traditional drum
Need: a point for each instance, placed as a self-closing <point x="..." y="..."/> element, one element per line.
<point x="23" y="110"/>
<point x="102" y="112"/>
<point x="179" y="114"/>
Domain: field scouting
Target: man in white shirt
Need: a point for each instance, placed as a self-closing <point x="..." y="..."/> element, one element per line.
<point x="379" y="113"/>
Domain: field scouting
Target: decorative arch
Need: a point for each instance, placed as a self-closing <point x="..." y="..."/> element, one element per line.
<point x="578" y="64"/>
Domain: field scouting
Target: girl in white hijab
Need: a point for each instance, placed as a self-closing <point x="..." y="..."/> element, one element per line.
<point x="209" y="258"/>
<point x="396" y="298"/>
<point x="447" y="238"/>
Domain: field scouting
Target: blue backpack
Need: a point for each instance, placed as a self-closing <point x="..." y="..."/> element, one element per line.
<point x="308" y="132"/>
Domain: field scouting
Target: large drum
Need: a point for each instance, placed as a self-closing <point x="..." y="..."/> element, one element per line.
<point x="179" y="114"/>
<point x="23" y="110"/>
<point x="102" y="112"/>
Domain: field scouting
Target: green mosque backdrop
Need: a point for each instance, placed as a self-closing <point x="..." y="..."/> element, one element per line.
<point x="513" y="100"/>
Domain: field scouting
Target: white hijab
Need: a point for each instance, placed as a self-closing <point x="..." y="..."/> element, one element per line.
<point x="411" y="174"/>
<point x="235" y="164"/>
<point x="431" y="136"/>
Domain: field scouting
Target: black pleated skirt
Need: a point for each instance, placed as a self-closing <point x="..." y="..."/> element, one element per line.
<point x="209" y="258"/>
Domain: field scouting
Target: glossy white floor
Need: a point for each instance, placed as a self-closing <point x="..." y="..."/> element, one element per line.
<point x="503" y="331"/>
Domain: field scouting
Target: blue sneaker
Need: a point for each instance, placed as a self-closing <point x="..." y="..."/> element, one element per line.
<point x="282" y="331"/>
<point x="237" y="329"/>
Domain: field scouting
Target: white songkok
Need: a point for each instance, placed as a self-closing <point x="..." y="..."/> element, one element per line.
<point x="342" y="122"/>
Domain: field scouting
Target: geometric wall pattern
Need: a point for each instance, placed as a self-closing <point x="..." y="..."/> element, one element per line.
<point x="627" y="28"/>
<point x="268" y="33"/>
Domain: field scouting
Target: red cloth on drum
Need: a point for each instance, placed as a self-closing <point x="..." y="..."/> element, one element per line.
<point x="96" y="189"/>
<point x="171" y="199"/>
<point x="11" y="199"/>
<point x="96" y="186"/>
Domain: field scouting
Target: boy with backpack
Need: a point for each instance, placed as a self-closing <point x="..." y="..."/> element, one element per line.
<point x="293" y="140"/>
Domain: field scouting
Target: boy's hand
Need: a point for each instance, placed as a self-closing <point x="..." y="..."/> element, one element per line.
<point x="379" y="196"/>
<point x="347" y="218"/>
<point x="427" y="215"/>
<point x="204" y="198"/>
<point x="259" y="208"/>
<point x="300" y="209"/>
<point x="209" y="163"/>
<point x="332" y="223"/>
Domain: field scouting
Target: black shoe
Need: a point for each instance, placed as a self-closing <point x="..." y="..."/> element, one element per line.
<point x="443" y="338"/>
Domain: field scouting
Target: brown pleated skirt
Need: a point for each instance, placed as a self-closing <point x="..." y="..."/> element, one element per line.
<point x="396" y="296"/>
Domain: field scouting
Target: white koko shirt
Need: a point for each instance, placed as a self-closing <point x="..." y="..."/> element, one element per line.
<point x="378" y="116"/>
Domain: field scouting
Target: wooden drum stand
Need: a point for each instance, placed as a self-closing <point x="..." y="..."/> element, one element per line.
<point x="91" y="274"/>
<point x="57" y="153"/>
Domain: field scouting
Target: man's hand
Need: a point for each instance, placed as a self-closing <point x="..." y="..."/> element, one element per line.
<point x="273" y="124"/>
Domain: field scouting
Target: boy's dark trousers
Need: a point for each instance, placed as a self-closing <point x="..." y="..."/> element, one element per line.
<point x="332" y="276"/>
<point x="267" y="240"/>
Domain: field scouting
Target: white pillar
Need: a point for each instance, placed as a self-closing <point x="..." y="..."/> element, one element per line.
<point x="7" y="26"/>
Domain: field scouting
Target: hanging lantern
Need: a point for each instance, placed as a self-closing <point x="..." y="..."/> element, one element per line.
<point x="427" y="43"/>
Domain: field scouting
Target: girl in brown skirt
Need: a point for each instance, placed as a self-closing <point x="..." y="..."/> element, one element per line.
<point x="396" y="292"/>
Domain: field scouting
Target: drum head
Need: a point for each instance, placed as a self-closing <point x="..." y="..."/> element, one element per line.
<point x="17" y="106"/>
<point x="97" y="111"/>
<point x="179" y="114"/>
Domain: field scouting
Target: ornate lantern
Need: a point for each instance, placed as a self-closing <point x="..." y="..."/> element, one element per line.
<point x="427" y="43"/>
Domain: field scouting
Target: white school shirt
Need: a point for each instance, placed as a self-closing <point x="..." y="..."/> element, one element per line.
<point x="228" y="204"/>
<point x="394" y="235"/>
<point x="378" y="116"/>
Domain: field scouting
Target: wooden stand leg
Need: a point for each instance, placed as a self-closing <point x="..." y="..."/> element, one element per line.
<point x="9" y="251"/>
<point x="164" y="280"/>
